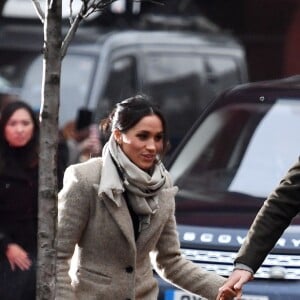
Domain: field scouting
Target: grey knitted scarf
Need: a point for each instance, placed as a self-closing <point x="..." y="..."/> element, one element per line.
<point x="142" y="188"/>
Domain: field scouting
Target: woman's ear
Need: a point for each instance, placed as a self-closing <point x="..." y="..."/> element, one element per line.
<point x="118" y="136"/>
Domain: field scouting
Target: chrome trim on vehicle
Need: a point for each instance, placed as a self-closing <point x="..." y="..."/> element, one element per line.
<point x="222" y="263"/>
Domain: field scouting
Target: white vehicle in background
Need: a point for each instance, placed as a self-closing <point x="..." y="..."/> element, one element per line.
<point x="183" y="69"/>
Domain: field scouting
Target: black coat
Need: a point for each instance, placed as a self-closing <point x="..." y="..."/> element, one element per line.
<point x="18" y="206"/>
<point x="18" y="224"/>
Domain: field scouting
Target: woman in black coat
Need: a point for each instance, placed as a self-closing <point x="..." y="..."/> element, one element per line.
<point x="19" y="135"/>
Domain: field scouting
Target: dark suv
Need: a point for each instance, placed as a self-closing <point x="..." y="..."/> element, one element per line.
<point x="232" y="158"/>
<point x="182" y="69"/>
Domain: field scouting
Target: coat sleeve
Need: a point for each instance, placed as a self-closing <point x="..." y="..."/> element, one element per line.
<point x="273" y="218"/>
<point x="4" y="241"/>
<point x="182" y="272"/>
<point x="73" y="215"/>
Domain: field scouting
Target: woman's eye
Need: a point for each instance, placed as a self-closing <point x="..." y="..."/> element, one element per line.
<point x="142" y="136"/>
<point x="145" y="136"/>
<point x="158" y="138"/>
<point x="11" y="123"/>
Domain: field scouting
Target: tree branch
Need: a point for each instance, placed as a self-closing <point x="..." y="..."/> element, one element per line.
<point x="87" y="8"/>
<point x="71" y="32"/>
<point x="95" y="5"/>
<point x="38" y="9"/>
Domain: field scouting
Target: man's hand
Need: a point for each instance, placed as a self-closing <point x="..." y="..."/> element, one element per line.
<point x="227" y="294"/>
<point x="17" y="257"/>
<point x="236" y="281"/>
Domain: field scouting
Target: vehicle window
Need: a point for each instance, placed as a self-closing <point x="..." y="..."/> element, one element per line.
<point x="23" y="69"/>
<point x="162" y="67"/>
<point x="234" y="160"/>
<point x="14" y="65"/>
<point x="5" y="85"/>
<point x="121" y="84"/>
<point x="271" y="151"/>
<point x="222" y="73"/>
<point x="176" y="83"/>
<point x="244" y="148"/>
<point x="76" y="77"/>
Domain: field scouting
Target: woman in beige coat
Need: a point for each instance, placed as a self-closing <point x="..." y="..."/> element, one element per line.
<point x="119" y="211"/>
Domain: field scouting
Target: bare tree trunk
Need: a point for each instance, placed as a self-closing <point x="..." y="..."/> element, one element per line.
<point x="48" y="151"/>
<point x="54" y="51"/>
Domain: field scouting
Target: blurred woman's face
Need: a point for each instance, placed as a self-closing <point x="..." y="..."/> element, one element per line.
<point x="143" y="142"/>
<point x="18" y="130"/>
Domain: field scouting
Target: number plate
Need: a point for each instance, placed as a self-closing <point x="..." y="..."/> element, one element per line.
<point x="254" y="297"/>
<point x="181" y="295"/>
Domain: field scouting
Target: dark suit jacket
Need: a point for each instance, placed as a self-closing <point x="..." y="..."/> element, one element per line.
<point x="273" y="218"/>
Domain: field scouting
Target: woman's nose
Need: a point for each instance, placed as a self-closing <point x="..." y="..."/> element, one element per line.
<point x="20" y="128"/>
<point x="151" y="144"/>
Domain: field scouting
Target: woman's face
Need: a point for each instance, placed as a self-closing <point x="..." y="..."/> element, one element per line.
<point x="18" y="130"/>
<point x="142" y="142"/>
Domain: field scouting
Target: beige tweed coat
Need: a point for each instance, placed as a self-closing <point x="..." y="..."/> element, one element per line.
<point x="112" y="265"/>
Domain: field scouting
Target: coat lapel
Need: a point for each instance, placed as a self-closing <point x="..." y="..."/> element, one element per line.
<point x="121" y="216"/>
<point x="110" y="190"/>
